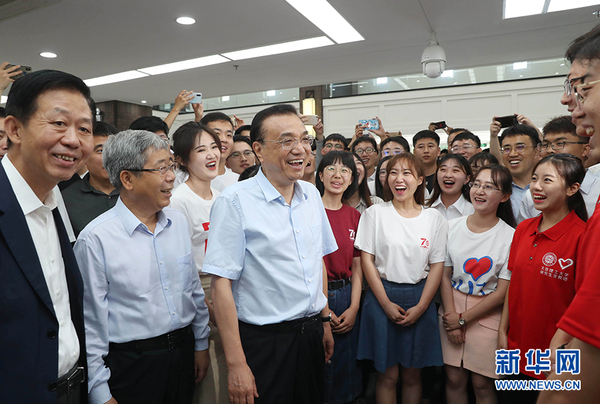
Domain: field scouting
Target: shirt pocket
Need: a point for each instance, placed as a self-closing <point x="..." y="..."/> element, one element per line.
<point x="186" y="271"/>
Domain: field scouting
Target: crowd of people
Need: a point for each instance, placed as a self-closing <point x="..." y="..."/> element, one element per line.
<point x="241" y="263"/>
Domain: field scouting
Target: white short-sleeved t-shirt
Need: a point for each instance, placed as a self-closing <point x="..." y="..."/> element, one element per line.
<point x="403" y="247"/>
<point x="197" y="211"/>
<point x="224" y="180"/>
<point x="478" y="259"/>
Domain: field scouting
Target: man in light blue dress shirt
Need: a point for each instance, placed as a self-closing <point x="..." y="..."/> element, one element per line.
<point x="144" y="306"/>
<point x="266" y="245"/>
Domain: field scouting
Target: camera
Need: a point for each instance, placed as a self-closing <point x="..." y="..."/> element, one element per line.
<point x="433" y="60"/>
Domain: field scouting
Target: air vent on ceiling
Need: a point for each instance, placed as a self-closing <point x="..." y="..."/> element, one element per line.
<point x="14" y="8"/>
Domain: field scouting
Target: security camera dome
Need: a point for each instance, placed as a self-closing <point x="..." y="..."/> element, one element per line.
<point x="433" y="59"/>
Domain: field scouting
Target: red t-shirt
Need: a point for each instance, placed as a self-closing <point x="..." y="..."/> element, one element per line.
<point x="543" y="282"/>
<point x="344" y="223"/>
<point x="581" y="319"/>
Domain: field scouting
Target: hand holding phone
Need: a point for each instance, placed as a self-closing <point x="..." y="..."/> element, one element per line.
<point x="197" y="99"/>
<point x="506" y="121"/>
<point x="439" y="125"/>
<point x="369" y="124"/>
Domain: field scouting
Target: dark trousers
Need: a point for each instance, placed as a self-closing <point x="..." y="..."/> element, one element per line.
<point x="152" y="376"/>
<point x="287" y="366"/>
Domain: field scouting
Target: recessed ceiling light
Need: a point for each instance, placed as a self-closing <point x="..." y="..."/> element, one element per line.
<point x="418" y="81"/>
<point x="520" y="75"/>
<point x="184" y="65"/>
<point x="48" y="55"/>
<point x="285" y="47"/>
<point x="115" y="78"/>
<point x="327" y="19"/>
<point x="519" y="8"/>
<point x="144" y="101"/>
<point x="185" y="21"/>
<point x="519" y="65"/>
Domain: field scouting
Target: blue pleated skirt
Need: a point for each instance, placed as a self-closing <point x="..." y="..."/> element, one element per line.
<point x="388" y="344"/>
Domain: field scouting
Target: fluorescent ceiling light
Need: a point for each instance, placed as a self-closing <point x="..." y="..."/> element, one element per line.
<point x="144" y="101"/>
<point x="327" y="19"/>
<point x="184" y="65"/>
<point x="271" y="93"/>
<point x="3" y="99"/>
<point x="560" y="5"/>
<point x="185" y="21"/>
<point x="285" y="47"/>
<point x="382" y="80"/>
<point x="114" y="78"/>
<point x="225" y="98"/>
<point x="448" y="73"/>
<point x="48" y="55"/>
<point x="519" y="65"/>
<point x="520" y="8"/>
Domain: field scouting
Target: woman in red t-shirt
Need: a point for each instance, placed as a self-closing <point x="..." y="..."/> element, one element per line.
<point x="543" y="264"/>
<point x="337" y="179"/>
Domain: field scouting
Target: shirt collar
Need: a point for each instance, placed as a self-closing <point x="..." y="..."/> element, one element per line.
<point x="560" y="228"/>
<point x="271" y="193"/>
<point x="519" y="188"/>
<point x="131" y="222"/>
<point x="460" y="204"/>
<point x="588" y="182"/>
<point x="27" y="199"/>
<point x="87" y="187"/>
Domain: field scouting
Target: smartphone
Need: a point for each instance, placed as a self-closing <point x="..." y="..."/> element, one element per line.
<point x="369" y="124"/>
<point x="24" y="70"/>
<point x="440" y="124"/>
<point x="197" y="98"/>
<point x="311" y="119"/>
<point x="506" y="121"/>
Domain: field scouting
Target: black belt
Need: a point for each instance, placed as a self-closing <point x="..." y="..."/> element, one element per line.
<point x="299" y="326"/>
<point x="334" y="285"/>
<point x="170" y="341"/>
<point x="68" y="384"/>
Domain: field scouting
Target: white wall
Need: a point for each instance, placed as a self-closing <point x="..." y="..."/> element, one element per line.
<point x="471" y="107"/>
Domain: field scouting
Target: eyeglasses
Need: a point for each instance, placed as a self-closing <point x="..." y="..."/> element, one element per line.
<point x="488" y="189"/>
<point x="344" y="171"/>
<point x="556" y="145"/>
<point x="520" y="148"/>
<point x="581" y="89"/>
<point x="391" y="152"/>
<point x="163" y="170"/>
<point x="237" y="154"/>
<point x="568" y="85"/>
<point x="336" y="146"/>
<point x="368" y="150"/>
<point x="465" y="147"/>
<point x="291" y="142"/>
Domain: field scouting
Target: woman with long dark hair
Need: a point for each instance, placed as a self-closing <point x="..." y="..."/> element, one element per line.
<point x="451" y="187"/>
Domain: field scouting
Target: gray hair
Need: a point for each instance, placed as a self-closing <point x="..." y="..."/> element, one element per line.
<point x="129" y="150"/>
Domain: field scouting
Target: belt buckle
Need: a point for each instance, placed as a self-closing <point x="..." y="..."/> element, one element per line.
<point x="75" y="378"/>
<point x="170" y="342"/>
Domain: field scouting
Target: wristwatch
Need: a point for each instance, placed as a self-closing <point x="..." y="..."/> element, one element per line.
<point x="461" y="321"/>
<point x="326" y="319"/>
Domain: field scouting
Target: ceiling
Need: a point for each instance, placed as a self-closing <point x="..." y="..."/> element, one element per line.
<point x="97" y="38"/>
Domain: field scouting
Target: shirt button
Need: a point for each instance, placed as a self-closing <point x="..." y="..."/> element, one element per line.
<point x="173" y="313"/>
<point x="161" y="263"/>
<point x="310" y="281"/>
<point x="166" y="288"/>
<point x="297" y="231"/>
<point x="530" y="258"/>
<point x="535" y="245"/>
<point x="52" y="260"/>
<point x="57" y="292"/>
<point x="304" y="256"/>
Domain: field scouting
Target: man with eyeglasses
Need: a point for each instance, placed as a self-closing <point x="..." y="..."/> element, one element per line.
<point x="269" y="285"/>
<point x="334" y="141"/>
<point x="146" y="319"/>
<point x="466" y="144"/>
<point x="242" y="155"/>
<point x="519" y="152"/>
<point x="368" y="151"/>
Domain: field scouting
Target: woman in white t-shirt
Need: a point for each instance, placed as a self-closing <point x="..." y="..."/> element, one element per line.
<point x="451" y="187"/>
<point x="474" y="285"/>
<point x="197" y="149"/>
<point x="402" y="255"/>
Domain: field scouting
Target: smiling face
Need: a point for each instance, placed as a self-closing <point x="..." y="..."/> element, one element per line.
<point x="282" y="167"/>
<point x="56" y="141"/>
<point x="451" y="177"/>
<point x="402" y="181"/>
<point x="204" y="158"/>
<point x="548" y="189"/>
<point x="225" y="132"/>
<point x="360" y="169"/>
<point x="577" y="70"/>
<point x="241" y="157"/>
<point x="336" y="178"/>
<point x="150" y="191"/>
<point x="486" y="201"/>
<point x="519" y="164"/>
<point x="370" y="158"/>
<point x="391" y="149"/>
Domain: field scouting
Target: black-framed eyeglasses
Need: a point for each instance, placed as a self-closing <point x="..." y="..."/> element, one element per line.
<point x="368" y="150"/>
<point x="291" y="142"/>
<point x="391" y="152"/>
<point x="237" y="154"/>
<point x="556" y="145"/>
<point x="568" y="85"/>
<point x="520" y="148"/>
<point x="487" y="188"/>
<point x="162" y="170"/>
<point x="336" y="146"/>
<point x="465" y="147"/>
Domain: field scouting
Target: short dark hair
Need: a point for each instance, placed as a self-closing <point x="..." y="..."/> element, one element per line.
<point x="425" y="134"/>
<point x="249" y="172"/>
<point x="454" y="130"/>
<point x="585" y="47"/>
<point x="364" y="139"/>
<point x="519" y="129"/>
<point x="397" y="139"/>
<point x="104" y="129"/>
<point x="242" y="128"/>
<point x="483" y="156"/>
<point x="184" y="139"/>
<point x="466" y="135"/>
<point x="337" y="137"/>
<point x="563" y="124"/>
<point x="257" y="131"/>
<point x="344" y="158"/>
<point x="23" y="97"/>
<point x="242" y="138"/>
<point x="150" y="123"/>
<point x="215" y="116"/>
<point x="2" y="112"/>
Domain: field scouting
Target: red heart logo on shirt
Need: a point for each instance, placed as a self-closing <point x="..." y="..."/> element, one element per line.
<point x="477" y="267"/>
